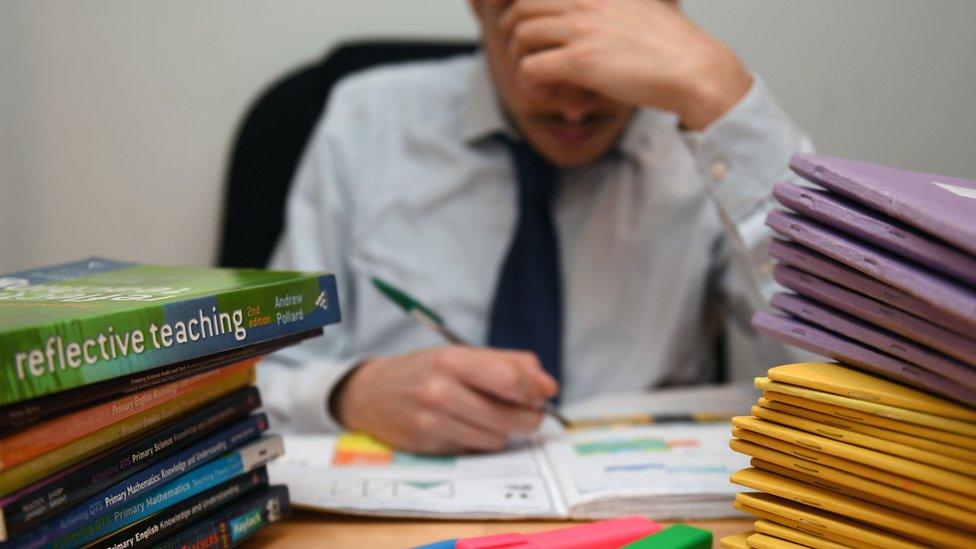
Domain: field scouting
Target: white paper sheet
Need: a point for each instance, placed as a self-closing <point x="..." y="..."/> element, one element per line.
<point x="646" y="469"/>
<point x="515" y="483"/>
<point x="672" y="471"/>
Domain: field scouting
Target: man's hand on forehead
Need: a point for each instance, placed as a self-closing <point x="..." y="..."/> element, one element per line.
<point x="638" y="52"/>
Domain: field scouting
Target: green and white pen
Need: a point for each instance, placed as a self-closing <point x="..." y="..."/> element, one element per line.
<point x="426" y="316"/>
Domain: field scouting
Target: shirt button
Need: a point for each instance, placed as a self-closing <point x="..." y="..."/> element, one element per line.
<point x="720" y="168"/>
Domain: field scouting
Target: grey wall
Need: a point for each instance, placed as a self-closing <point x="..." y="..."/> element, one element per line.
<point x="892" y="81"/>
<point x="115" y="115"/>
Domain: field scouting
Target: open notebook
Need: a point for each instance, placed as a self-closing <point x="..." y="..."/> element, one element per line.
<point x="667" y="471"/>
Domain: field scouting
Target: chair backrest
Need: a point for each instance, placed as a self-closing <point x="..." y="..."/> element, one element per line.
<point x="272" y="137"/>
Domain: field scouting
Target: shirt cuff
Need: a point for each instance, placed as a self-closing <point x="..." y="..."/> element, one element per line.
<point x="741" y="154"/>
<point x="329" y="381"/>
<point x="298" y="401"/>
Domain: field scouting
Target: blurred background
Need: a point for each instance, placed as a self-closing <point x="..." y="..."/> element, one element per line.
<point x="117" y="116"/>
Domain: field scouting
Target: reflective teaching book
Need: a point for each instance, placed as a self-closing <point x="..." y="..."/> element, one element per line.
<point x="82" y="323"/>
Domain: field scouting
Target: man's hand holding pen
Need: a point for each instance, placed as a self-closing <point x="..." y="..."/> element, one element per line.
<point x="451" y="399"/>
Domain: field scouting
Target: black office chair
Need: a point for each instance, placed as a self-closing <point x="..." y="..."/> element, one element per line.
<point x="273" y="134"/>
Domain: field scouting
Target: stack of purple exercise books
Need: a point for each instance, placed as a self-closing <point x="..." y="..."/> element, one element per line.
<point x="882" y="266"/>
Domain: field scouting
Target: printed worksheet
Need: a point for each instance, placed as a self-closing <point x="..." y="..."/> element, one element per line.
<point x="678" y="471"/>
<point x="648" y="470"/>
<point x="354" y="473"/>
<point x="669" y="471"/>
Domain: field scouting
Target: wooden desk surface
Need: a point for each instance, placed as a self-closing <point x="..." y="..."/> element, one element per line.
<point x="311" y="529"/>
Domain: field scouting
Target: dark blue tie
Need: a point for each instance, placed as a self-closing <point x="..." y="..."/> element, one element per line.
<point x="527" y="311"/>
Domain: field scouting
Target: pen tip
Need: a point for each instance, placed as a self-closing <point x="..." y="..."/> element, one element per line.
<point x="553" y="411"/>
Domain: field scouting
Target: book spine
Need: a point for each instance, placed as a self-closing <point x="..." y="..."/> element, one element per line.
<point x="64" y="355"/>
<point x="232" y="527"/>
<point x="51" y="434"/>
<point x="184" y="514"/>
<point x="46" y="464"/>
<point x="243" y="460"/>
<point x="24" y="414"/>
<point x="41" y="500"/>
<point x="133" y="487"/>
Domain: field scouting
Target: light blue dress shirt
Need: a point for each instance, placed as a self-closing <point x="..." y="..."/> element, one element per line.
<point x="402" y="180"/>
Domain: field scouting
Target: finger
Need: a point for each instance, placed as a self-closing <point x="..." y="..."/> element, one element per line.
<point x="489" y="413"/>
<point x="540" y="33"/>
<point x="419" y="444"/>
<point x="457" y="434"/>
<point x="495" y="7"/>
<point x="449" y="395"/>
<point x="545" y="385"/>
<point x="554" y="65"/>
<point x="521" y="10"/>
<point x="496" y="374"/>
<point x="515" y="376"/>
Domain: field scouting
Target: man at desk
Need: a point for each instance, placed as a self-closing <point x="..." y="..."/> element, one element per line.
<point x="588" y="189"/>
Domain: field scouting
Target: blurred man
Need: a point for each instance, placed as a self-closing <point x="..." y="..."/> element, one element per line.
<point x="572" y="199"/>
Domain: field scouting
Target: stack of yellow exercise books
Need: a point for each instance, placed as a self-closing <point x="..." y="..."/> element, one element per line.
<point x="843" y="458"/>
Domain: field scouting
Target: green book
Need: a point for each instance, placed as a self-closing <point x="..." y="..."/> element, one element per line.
<point x="80" y="323"/>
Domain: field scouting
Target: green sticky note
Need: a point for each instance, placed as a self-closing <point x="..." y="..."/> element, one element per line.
<point x="678" y="536"/>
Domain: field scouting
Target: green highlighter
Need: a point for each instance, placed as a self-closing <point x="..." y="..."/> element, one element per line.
<point x="676" y="536"/>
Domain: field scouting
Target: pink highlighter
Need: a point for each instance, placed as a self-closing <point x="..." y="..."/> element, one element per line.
<point x="610" y="534"/>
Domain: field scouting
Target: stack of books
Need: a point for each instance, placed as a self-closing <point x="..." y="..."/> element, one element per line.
<point x="127" y="412"/>
<point x="878" y="449"/>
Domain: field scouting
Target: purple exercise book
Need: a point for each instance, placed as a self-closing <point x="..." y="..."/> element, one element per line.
<point x="949" y="296"/>
<point x="877" y="228"/>
<point x="809" y="261"/>
<point x="870" y="335"/>
<point x="939" y="205"/>
<point x="795" y="332"/>
<point x="877" y="313"/>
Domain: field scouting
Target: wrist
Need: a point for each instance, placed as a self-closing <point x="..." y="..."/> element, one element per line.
<point x="713" y="92"/>
<point x="343" y="397"/>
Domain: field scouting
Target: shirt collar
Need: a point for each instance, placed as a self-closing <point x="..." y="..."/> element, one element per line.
<point x="483" y="115"/>
<point x="638" y="136"/>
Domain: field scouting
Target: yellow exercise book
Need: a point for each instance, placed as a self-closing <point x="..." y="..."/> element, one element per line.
<point x="848" y="382"/>
<point x="874" y="443"/>
<point x="811" y="458"/>
<point x="795" y="535"/>
<point x="884" y="410"/>
<point x="949" y="480"/>
<point x="735" y="541"/>
<point x="819" y="523"/>
<point x="851" y="484"/>
<point x="870" y="513"/>
<point x="870" y="430"/>
<point x="865" y="418"/>
<point x="762" y="541"/>
<point x="925" y="513"/>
